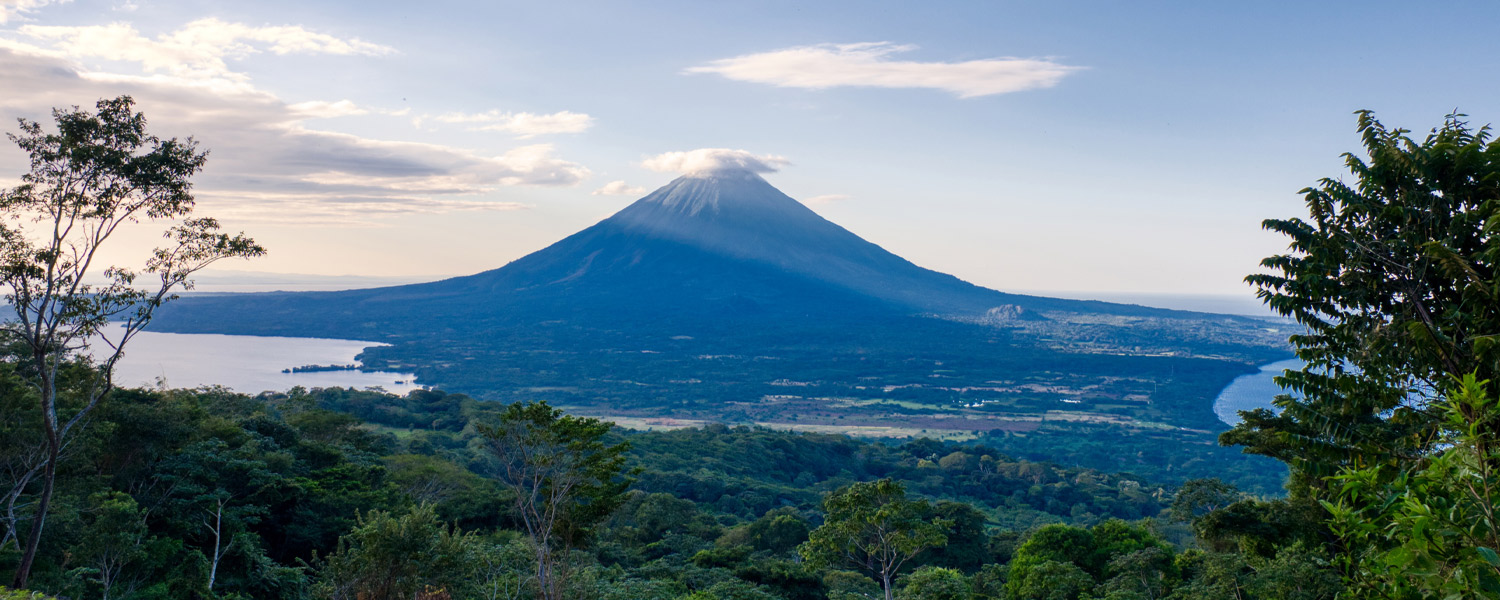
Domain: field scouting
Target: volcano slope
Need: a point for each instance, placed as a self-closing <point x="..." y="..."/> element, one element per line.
<point x="719" y="298"/>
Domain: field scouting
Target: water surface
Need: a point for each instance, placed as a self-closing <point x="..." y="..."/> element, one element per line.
<point x="247" y="364"/>
<point x="1252" y="391"/>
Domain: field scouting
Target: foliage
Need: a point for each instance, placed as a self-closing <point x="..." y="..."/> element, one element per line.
<point x="98" y="173"/>
<point x="412" y="555"/>
<point x="935" y="583"/>
<point x="564" y="478"/>
<point x="874" y="527"/>
<point x="1430" y="530"/>
<point x="1394" y="276"/>
<point x="1198" y="497"/>
<point x="1053" y="580"/>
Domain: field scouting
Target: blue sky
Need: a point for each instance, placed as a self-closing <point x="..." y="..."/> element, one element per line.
<point x="1081" y="146"/>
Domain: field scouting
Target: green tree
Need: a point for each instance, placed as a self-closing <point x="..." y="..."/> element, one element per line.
<point x="564" y="476"/>
<point x="1144" y="574"/>
<point x="391" y="557"/>
<point x="98" y="173"/>
<point x="212" y="486"/>
<point x="114" y="537"/>
<point x="1198" y="497"/>
<point x="935" y="583"/>
<point x="1073" y="546"/>
<point x="872" y="526"/>
<point x="1394" y="275"/>
<point x="967" y="548"/>
<point x="1053" y="580"/>
<point x="1431" y="530"/>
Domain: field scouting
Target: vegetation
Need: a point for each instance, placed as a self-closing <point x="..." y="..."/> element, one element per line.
<point x="1391" y="427"/>
<point x="875" y="528"/>
<point x="96" y="173"/>
<point x="1394" y="276"/>
<point x="183" y="494"/>
<point x="562" y="477"/>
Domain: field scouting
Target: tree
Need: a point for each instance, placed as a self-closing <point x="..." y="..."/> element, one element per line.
<point x="1073" y="546"/>
<point x="389" y="557"/>
<point x="1053" y="580"/>
<point x="967" y="548"/>
<point x="1394" y="275"/>
<point x="1431" y="530"/>
<point x="873" y="527"/>
<point x="935" y="583"/>
<point x="564" y="476"/>
<point x="1198" y="497"/>
<point x="98" y="173"/>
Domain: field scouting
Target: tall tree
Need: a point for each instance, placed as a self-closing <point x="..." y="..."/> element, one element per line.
<point x="98" y="173"/>
<point x="564" y="475"/>
<point x="872" y="526"/>
<point x="1394" y="275"/>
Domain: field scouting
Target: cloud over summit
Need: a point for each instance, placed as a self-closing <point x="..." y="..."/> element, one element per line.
<point x="709" y="160"/>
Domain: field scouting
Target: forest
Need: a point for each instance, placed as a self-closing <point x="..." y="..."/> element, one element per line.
<point x="1388" y="436"/>
<point x="334" y="493"/>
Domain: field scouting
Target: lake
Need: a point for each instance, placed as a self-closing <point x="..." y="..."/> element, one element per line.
<point x="248" y="364"/>
<point x="1252" y="391"/>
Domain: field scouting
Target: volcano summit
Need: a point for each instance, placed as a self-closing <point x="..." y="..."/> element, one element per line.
<point x="717" y="297"/>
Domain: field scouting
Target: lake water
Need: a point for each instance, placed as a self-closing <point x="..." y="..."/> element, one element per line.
<point x="247" y="364"/>
<point x="1252" y="391"/>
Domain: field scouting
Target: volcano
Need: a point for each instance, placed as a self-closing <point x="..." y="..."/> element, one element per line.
<point x="723" y="244"/>
<point x="698" y="298"/>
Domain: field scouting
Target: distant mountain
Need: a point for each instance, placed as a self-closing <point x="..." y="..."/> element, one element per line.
<point x="713" y="245"/>
<point x="718" y="297"/>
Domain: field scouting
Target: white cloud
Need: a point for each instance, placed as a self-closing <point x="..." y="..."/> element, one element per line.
<point x="619" y="188"/>
<point x="14" y="8"/>
<point x="708" y="160"/>
<point x="334" y="209"/>
<point x="322" y="109"/>
<point x="870" y="64"/>
<point x="266" y="163"/>
<point x="523" y="124"/>
<point x="826" y="199"/>
<point x="198" y="50"/>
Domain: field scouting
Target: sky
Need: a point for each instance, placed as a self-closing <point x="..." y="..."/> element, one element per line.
<point x="1081" y="148"/>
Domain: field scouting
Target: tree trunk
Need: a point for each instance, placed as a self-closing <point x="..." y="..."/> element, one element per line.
<point x="39" y="518"/>
<point x="543" y="574"/>
<point x="885" y="584"/>
<point x="213" y="573"/>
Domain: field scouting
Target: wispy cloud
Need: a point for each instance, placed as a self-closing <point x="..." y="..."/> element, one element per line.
<point x="826" y="199"/>
<point x="871" y="64"/>
<point x="709" y="160"/>
<point x="619" y="188"/>
<point x="10" y="9"/>
<point x="198" y="50"/>
<point x="522" y="124"/>
<point x="267" y="163"/>
<point x="323" y="109"/>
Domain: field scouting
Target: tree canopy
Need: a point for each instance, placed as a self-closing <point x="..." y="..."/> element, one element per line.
<point x="1394" y="275"/>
